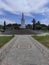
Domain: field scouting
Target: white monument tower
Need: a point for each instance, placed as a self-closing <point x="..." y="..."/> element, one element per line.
<point x="22" y="21"/>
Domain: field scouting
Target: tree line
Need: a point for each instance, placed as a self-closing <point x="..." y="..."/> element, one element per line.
<point x="36" y="25"/>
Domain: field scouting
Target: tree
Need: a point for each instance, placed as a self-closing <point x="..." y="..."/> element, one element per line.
<point x="4" y="25"/>
<point x="1" y="26"/>
<point x="48" y="27"/>
<point x="44" y="28"/>
<point x="29" y="26"/>
<point x="34" y="22"/>
<point x="16" y="26"/>
<point x="38" y="25"/>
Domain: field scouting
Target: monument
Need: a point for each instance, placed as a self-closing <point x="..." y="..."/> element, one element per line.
<point x="22" y="21"/>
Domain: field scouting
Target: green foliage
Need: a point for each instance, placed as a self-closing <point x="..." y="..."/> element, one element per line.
<point x="4" y="25"/>
<point x="44" y="28"/>
<point x="38" y="23"/>
<point x="1" y="26"/>
<point x="38" y="26"/>
<point x="34" y="22"/>
<point x="29" y="26"/>
<point x="48" y="27"/>
<point x="13" y="26"/>
<point x="43" y="39"/>
<point x="4" y="40"/>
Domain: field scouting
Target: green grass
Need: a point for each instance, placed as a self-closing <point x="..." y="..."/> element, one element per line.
<point x="43" y="40"/>
<point x="4" y="40"/>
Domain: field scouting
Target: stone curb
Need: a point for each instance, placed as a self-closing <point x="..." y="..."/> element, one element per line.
<point x="5" y="49"/>
<point x="42" y="48"/>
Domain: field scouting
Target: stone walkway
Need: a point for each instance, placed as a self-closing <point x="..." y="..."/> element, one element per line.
<point x="24" y="52"/>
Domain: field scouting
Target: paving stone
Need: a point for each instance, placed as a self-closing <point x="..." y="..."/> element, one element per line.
<point x="24" y="52"/>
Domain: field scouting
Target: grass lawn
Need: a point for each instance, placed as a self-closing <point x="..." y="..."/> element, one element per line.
<point x="4" y="40"/>
<point x="43" y="39"/>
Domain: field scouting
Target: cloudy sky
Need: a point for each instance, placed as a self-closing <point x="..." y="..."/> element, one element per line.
<point x="11" y="10"/>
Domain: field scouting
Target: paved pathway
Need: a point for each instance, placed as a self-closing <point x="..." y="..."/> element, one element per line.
<point x="24" y="52"/>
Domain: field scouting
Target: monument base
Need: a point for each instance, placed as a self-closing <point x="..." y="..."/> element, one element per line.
<point x="23" y="26"/>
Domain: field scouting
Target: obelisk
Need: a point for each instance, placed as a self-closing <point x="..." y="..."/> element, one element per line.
<point x="22" y="21"/>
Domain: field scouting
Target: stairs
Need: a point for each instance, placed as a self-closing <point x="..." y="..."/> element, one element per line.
<point x="21" y="31"/>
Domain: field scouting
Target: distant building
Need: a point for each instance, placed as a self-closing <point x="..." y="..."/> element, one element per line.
<point x="22" y="21"/>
